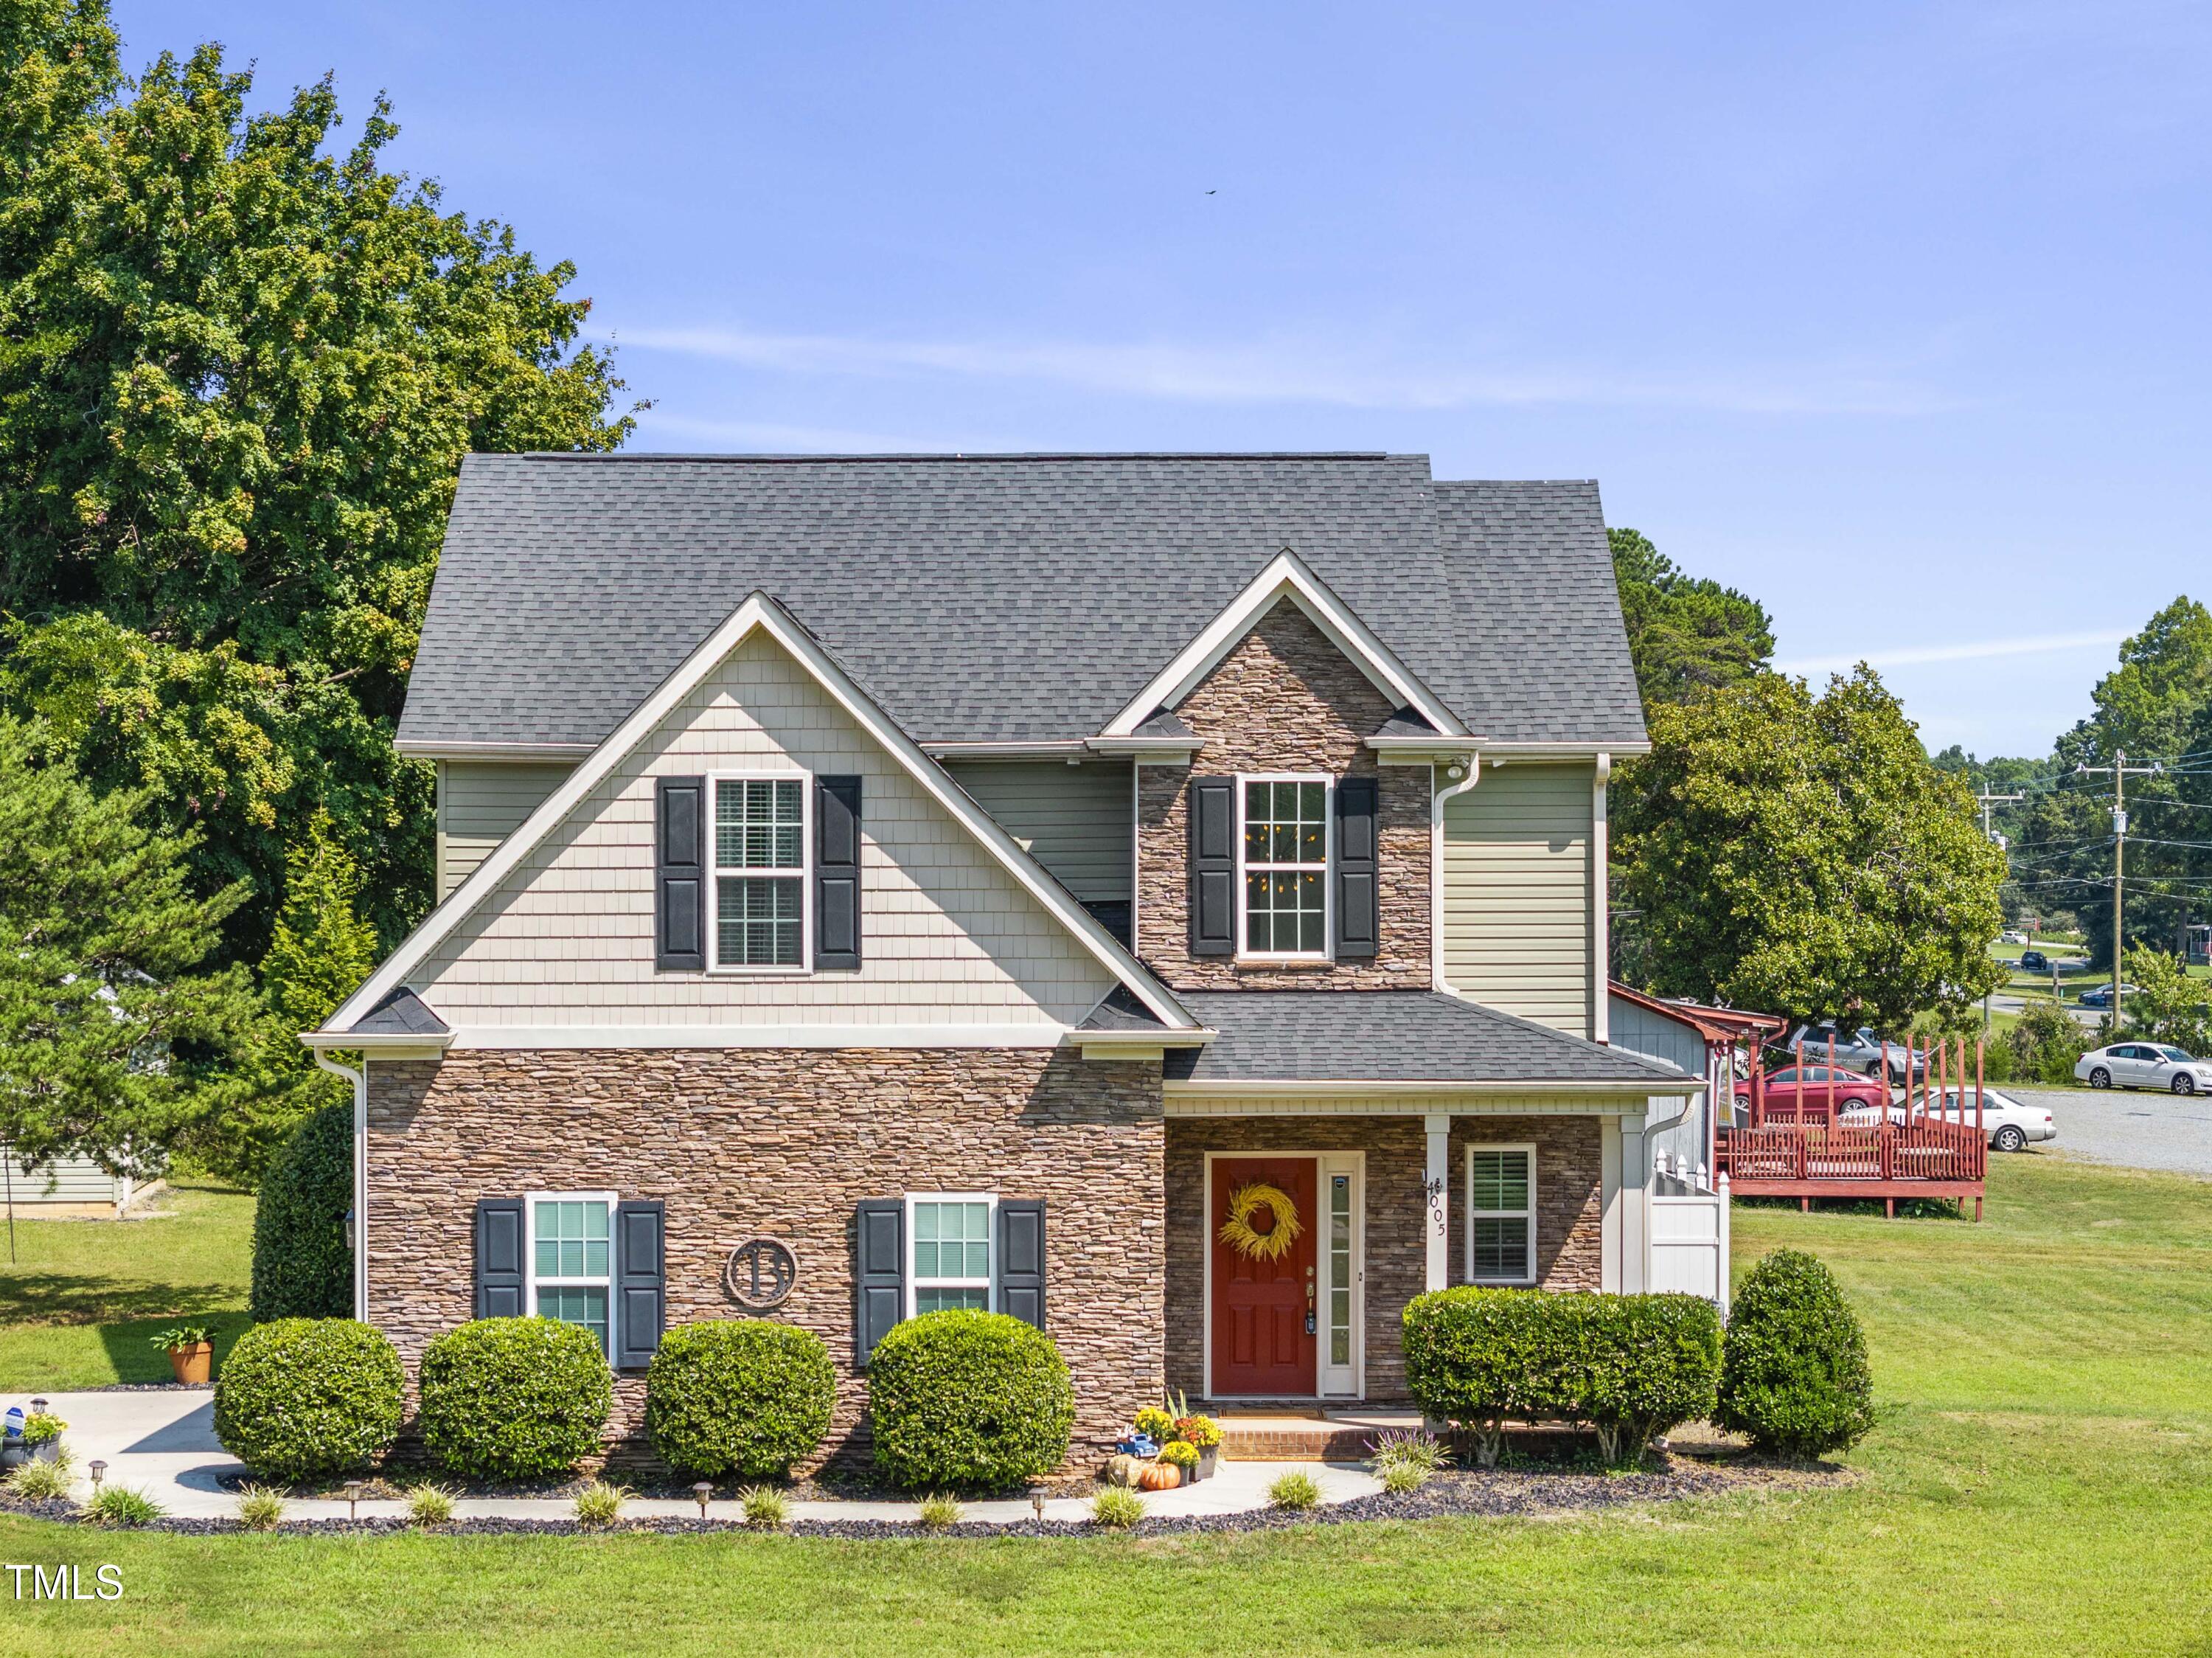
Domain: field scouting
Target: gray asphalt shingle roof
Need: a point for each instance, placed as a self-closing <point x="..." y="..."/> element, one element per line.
<point x="1002" y="598"/>
<point x="1389" y="1036"/>
<point x="401" y="1012"/>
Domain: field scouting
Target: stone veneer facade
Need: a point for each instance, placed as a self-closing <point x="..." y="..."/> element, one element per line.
<point x="1285" y="699"/>
<point x="1569" y="1204"/>
<point x="784" y="1143"/>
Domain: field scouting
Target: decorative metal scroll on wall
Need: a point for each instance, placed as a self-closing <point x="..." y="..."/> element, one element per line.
<point x="760" y="1273"/>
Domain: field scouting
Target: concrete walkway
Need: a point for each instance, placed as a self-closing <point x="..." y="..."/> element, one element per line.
<point x="163" y="1443"/>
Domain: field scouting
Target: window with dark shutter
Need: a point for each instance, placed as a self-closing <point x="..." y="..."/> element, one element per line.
<point x="1213" y="866"/>
<point x="879" y="1272"/>
<point x="641" y="1282"/>
<point x="1020" y="1259"/>
<point x="837" y="875"/>
<point x="1359" y="908"/>
<point x="498" y="1258"/>
<point x="680" y="879"/>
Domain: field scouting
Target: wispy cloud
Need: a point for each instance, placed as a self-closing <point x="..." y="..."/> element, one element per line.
<point x="1290" y="371"/>
<point x="768" y="438"/>
<point x="2037" y="645"/>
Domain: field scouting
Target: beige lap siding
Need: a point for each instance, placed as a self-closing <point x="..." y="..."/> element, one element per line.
<point x="1567" y="1249"/>
<point x="1285" y="699"/>
<point x="784" y="1143"/>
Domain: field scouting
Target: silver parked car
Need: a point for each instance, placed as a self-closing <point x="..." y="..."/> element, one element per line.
<point x="2143" y="1065"/>
<point x="2009" y="1123"/>
<point x="1859" y="1050"/>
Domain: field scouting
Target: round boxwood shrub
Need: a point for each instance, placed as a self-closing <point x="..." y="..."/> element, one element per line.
<point x="513" y="1399"/>
<point x="301" y="1266"/>
<point x="305" y="1398"/>
<point x="738" y="1396"/>
<point x="968" y="1399"/>
<point x="1794" y="1368"/>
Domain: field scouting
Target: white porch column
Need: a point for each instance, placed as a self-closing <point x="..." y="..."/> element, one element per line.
<point x="1438" y="1125"/>
<point x="1635" y="1208"/>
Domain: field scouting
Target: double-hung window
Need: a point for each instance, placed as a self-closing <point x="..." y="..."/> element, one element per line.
<point x="760" y="872"/>
<point x="1501" y="1214"/>
<point x="950" y="1262"/>
<point x="571" y="1260"/>
<point x="1284" y="855"/>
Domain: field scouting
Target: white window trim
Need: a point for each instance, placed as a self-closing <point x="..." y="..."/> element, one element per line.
<point x="1327" y="952"/>
<point x="530" y="1280"/>
<point x="988" y="1283"/>
<point x="805" y="874"/>
<point x="1529" y="1214"/>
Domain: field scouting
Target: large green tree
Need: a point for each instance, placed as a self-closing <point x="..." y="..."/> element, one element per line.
<point x="1802" y="854"/>
<point x="1685" y="633"/>
<point x="238" y="371"/>
<point x="115" y="1031"/>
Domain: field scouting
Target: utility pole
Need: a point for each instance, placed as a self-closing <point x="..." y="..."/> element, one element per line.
<point x="1988" y="801"/>
<point x="2120" y="772"/>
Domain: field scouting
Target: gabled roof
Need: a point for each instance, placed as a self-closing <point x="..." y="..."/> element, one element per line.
<point x="758" y="612"/>
<point x="1397" y="1036"/>
<point x="1001" y="598"/>
<point x="399" y="1013"/>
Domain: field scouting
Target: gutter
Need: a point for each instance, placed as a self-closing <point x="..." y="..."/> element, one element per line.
<point x="357" y="1216"/>
<point x="1293" y="1087"/>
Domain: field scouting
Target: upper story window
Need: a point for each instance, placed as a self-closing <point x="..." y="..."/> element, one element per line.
<point x="1284" y="855"/>
<point x="760" y="841"/>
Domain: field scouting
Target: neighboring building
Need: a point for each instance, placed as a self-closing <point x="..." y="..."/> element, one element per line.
<point x="965" y="882"/>
<point x="69" y="1188"/>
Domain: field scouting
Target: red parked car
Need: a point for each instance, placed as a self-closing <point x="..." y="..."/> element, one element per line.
<point x="1802" y="1093"/>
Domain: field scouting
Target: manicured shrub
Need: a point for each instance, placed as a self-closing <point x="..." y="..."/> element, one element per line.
<point x="1793" y="1376"/>
<point x="301" y="1266"/>
<point x="513" y="1399"/>
<point x="968" y="1399"/>
<point x="1629" y="1365"/>
<point x="738" y="1396"/>
<point x="305" y="1398"/>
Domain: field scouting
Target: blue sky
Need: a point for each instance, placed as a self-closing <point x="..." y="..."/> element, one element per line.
<point x="1893" y="316"/>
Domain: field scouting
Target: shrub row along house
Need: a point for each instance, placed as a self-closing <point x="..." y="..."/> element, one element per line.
<point x="1159" y="897"/>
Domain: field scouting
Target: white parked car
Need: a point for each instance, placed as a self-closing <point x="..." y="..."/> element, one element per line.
<point x="2009" y="1124"/>
<point x="2015" y="937"/>
<point x="2143" y="1065"/>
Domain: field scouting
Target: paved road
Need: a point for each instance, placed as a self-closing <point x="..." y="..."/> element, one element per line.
<point x="2141" y="1130"/>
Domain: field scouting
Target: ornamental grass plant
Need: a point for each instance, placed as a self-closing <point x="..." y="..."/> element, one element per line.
<point x="765" y="1507"/>
<point x="121" y="1506"/>
<point x="260" y="1508"/>
<point x="938" y="1511"/>
<point x="43" y="1482"/>
<point x="430" y="1505"/>
<point x="1116" y="1508"/>
<point x="1295" y="1492"/>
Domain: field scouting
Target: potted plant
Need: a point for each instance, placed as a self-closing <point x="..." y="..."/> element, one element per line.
<point x="192" y="1353"/>
<point x="1182" y="1456"/>
<point x="1156" y="1424"/>
<point x="42" y="1435"/>
<point x="1203" y="1433"/>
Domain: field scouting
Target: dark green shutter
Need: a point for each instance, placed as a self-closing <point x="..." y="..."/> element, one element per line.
<point x="1359" y="917"/>
<point x="498" y="1258"/>
<point x="1019" y="1260"/>
<point x="1213" y="866"/>
<point x="641" y="1282"/>
<point x="680" y="880"/>
<point x="879" y="1272"/>
<point x="837" y="875"/>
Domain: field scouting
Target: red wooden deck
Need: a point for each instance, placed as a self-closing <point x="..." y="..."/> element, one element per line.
<point x="1784" y="1154"/>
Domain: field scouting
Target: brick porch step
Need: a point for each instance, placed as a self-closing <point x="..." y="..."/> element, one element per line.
<point x="1307" y="1436"/>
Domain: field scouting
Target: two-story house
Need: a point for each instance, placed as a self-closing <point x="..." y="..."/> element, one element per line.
<point x="1161" y="897"/>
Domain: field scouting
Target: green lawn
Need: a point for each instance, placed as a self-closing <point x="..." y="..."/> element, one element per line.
<point x="80" y="1298"/>
<point x="2042" y="1483"/>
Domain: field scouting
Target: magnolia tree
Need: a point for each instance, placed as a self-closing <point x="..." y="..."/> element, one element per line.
<point x="1802" y="854"/>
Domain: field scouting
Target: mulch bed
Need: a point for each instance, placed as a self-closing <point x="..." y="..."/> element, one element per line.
<point x="1454" y="1493"/>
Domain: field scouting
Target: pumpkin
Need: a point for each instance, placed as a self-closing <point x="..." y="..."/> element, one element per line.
<point x="1157" y="1476"/>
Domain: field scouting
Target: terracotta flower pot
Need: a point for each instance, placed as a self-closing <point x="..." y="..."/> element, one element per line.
<point x="192" y="1363"/>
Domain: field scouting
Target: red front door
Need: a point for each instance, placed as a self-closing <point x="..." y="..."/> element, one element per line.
<point x="1263" y="1339"/>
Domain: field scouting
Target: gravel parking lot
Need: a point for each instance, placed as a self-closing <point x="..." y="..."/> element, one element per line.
<point x="2141" y="1130"/>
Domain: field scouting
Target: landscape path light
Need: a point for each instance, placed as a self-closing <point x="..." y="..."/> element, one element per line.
<point x="702" y="1490"/>
<point x="98" y="1471"/>
<point x="353" y="1499"/>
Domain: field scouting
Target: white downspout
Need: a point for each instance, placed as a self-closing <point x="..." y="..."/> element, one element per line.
<point x="1437" y="799"/>
<point x="1600" y="925"/>
<point x="360" y="1217"/>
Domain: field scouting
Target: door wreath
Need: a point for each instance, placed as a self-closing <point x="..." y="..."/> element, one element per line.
<point x="1241" y="1235"/>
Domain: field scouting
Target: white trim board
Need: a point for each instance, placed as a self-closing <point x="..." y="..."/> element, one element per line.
<point x="1286" y="575"/>
<point x="760" y="614"/>
<point x="1351" y="1102"/>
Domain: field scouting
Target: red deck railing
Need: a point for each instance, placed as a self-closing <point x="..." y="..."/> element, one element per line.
<point x="1799" y="1148"/>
